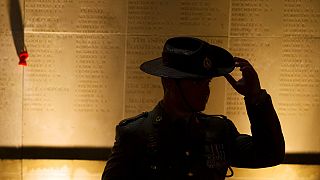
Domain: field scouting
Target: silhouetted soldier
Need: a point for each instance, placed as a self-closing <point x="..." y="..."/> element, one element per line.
<point x="176" y="141"/>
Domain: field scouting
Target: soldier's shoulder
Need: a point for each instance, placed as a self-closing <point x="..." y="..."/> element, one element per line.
<point x="133" y="120"/>
<point x="131" y="128"/>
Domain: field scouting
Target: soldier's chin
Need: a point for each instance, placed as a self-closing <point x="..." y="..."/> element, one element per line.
<point x="199" y="108"/>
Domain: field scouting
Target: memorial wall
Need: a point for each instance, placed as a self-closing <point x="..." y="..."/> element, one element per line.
<point x="82" y="76"/>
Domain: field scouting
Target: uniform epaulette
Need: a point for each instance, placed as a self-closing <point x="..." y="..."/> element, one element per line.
<point x="131" y="119"/>
<point x="215" y="115"/>
<point x="220" y="116"/>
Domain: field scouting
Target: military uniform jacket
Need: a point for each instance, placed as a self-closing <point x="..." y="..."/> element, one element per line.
<point x="150" y="146"/>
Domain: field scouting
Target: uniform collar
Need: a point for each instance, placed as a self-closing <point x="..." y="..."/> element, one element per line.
<point x="159" y="116"/>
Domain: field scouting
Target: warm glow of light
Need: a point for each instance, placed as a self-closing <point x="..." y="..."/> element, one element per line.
<point x="92" y="170"/>
<point x="51" y="173"/>
<point x="59" y="169"/>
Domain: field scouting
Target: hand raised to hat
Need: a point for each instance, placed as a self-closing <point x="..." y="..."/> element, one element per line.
<point x="249" y="84"/>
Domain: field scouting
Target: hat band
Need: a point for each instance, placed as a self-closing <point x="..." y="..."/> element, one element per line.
<point x="189" y="64"/>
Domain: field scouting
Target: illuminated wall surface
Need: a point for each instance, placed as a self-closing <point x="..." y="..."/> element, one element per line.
<point x="82" y="76"/>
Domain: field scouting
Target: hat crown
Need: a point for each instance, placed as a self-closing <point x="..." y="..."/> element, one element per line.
<point x="185" y="54"/>
<point x="183" y="45"/>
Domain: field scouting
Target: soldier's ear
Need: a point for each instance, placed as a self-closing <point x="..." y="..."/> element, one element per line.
<point x="168" y="83"/>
